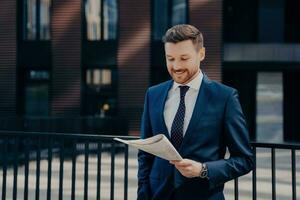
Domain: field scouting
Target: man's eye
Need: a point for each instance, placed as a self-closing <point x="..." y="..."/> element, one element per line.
<point x="184" y="58"/>
<point x="170" y="59"/>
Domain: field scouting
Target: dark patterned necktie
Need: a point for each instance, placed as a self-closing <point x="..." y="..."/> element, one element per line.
<point x="177" y="125"/>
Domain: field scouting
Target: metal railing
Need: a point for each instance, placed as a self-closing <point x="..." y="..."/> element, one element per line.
<point x="292" y="147"/>
<point x="19" y="148"/>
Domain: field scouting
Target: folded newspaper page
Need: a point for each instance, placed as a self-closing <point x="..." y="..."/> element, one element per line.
<point x="158" y="145"/>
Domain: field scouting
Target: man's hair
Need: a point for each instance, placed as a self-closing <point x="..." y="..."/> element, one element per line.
<point x="182" y="32"/>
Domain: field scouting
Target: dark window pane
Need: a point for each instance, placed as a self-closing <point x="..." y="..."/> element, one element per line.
<point x="240" y="20"/>
<point x="36" y="100"/>
<point x="99" y="77"/>
<point x="38" y="75"/>
<point x="271" y="21"/>
<point x="101" y="91"/>
<point x="160" y="24"/>
<point x="110" y="12"/>
<point x="159" y="74"/>
<point x="45" y="19"/>
<point x="36" y="93"/>
<point x="36" y="26"/>
<point x="179" y="10"/>
<point x="93" y="17"/>
<point x="292" y="22"/>
<point x="101" y="22"/>
<point x="30" y="31"/>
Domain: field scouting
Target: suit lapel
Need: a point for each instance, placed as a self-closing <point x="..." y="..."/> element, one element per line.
<point x="201" y="103"/>
<point x="161" y="106"/>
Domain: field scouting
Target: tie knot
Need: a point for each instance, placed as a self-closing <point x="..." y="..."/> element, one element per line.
<point x="183" y="90"/>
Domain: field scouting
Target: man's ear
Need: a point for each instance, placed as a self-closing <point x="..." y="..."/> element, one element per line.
<point x="202" y="53"/>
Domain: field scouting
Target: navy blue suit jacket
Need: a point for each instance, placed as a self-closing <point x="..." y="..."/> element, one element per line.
<point x="217" y="123"/>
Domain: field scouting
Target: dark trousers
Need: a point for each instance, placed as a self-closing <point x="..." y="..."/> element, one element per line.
<point x="194" y="189"/>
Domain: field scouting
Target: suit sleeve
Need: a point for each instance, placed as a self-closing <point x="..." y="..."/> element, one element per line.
<point x="236" y="137"/>
<point x="145" y="160"/>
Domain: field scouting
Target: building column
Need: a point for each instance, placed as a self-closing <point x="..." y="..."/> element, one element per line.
<point x="8" y="57"/>
<point x="133" y="59"/>
<point x="206" y="15"/>
<point x="66" y="51"/>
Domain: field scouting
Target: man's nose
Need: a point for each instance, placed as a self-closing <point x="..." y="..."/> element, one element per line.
<point x="176" y="66"/>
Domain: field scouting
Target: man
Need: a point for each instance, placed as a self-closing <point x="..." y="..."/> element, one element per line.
<point x="201" y="118"/>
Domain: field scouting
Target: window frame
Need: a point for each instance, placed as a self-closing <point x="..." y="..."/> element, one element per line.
<point x="84" y="23"/>
<point x="100" y="93"/>
<point x="32" y="82"/>
<point x="38" y="21"/>
<point x="170" y="4"/>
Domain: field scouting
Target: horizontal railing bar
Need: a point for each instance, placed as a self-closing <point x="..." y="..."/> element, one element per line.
<point x="103" y="137"/>
<point x="66" y="135"/>
<point x="284" y="145"/>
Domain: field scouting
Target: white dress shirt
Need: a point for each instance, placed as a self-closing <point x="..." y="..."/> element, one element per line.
<point x="173" y="99"/>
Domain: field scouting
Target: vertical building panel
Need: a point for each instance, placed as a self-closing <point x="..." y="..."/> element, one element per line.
<point x="66" y="51"/>
<point x="8" y="48"/>
<point x="133" y="58"/>
<point x="207" y="16"/>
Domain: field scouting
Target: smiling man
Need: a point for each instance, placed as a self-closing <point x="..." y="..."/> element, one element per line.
<point x="202" y="118"/>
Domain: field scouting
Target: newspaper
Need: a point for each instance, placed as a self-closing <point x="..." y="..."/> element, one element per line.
<point x="158" y="145"/>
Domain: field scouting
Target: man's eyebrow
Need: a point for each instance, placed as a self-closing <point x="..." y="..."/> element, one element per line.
<point x="180" y="55"/>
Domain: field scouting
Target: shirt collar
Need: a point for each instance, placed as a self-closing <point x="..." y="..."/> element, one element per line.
<point x="194" y="84"/>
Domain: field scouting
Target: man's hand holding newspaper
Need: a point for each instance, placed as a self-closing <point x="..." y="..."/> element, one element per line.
<point x="157" y="145"/>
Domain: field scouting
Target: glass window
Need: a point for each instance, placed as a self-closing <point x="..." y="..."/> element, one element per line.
<point x="45" y="19"/>
<point x="93" y="15"/>
<point x="101" y="19"/>
<point x="240" y="20"/>
<point x="292" y="22"/>
<point x="30" y="19"/>
<point x="179" y="12"/>
<point x="160" y="24"/>
<point x="167" y="13"/>
<point x="269" y="98"/>
<point x="101" y="92"/>
<point x="99" y="77"/>
<point x="36" y="19"/>
<point x="36" y="93"/>
<point x="110" y="18"/>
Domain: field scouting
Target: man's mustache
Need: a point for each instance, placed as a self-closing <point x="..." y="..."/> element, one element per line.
<point x="179" y="70"/>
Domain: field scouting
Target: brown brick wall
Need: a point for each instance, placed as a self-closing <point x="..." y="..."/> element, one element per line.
<point x="66" y="51"/>
<point x="133" y="58"/>
<point x="8" y="55"/>
<point x="207" y="16"/>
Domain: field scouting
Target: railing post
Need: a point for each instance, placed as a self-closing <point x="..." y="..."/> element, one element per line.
<point x="38" y="159"/>
<point x="294" y="174"/>
<point x="61" y="167"/>
<point x="112" y="176"/>
<point x="236" y="189"/>
<point x="126" y="173"/>
<point x="99" y="153"/>
<point x="86" y="169"/>
<point x="273" y="174"/>
<point x="74" y="153"/>
<point x="50" y="147"/>
<point x="4" y="161"/>
<point x="254" y="192"/>
<point x="16" y="158"/>
<point x="26" y="143"/>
